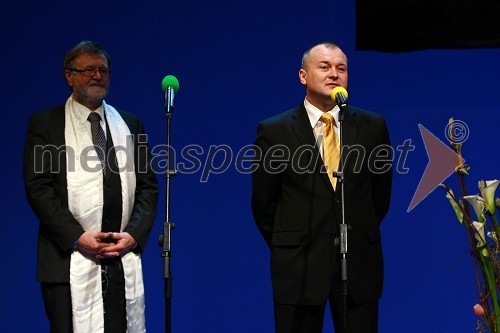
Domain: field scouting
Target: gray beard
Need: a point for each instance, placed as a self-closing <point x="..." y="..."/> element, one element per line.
<point x="86" y="98"/>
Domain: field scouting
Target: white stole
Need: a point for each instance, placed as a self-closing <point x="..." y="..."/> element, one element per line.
<point x="85" y="201"/>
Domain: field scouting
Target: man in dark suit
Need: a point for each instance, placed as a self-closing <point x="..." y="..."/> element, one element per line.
<point x="298" y="210"/>
<point x="94" y="218"/>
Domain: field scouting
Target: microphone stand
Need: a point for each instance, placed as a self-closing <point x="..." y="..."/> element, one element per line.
<point x="343" y="226"/>
<point x="167" y="225"/>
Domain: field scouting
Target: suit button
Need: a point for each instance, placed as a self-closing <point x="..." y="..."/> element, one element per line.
<point x="106" y="221"/>
<point x="337" y="200"/>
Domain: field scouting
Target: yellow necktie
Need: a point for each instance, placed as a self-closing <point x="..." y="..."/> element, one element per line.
<point x="331" y="149"/>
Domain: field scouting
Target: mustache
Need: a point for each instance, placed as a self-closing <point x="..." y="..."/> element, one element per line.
<point x="96" y="83"/>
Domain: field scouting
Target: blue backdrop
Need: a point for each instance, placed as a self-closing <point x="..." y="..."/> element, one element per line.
<point x="237" y="63"/>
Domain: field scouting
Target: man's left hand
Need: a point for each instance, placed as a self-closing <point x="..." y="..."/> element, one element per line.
<point x="122" y="243"/>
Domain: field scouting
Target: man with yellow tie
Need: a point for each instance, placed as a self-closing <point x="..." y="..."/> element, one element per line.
<point x="296" y="201"/>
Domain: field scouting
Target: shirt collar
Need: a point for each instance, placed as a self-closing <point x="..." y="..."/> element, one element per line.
<point x="314" y="113"/>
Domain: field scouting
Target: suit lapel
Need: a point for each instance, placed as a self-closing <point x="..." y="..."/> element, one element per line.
<point x="56" y="124"/>
<point x="301" y="126"/>
<point x="350" y="127"/>
<point x="350" y="130"/>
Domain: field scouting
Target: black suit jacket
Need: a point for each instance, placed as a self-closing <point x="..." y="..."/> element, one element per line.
<point x="298" y="212"/>
<point x="44" y="171"/>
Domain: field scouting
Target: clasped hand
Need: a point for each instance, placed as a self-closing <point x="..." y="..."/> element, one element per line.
<point x="105" y="244"/>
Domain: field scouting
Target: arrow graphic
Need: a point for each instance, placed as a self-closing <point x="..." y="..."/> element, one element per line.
<point x="442" y="163"/>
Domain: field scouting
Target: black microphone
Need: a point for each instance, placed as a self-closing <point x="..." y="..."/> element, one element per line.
<point x="169" y="85"/>
<point x="339" y="96"/>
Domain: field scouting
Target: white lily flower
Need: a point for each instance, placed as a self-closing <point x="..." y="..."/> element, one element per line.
<point x="456" y="208"/>
<point x="488" y="193"/>
<point x="480" y="237"/>
<point x="477" y="204"/>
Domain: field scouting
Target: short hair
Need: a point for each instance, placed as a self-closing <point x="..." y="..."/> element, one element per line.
<point x="329" y="45"/>
<point x="84" y="47"/>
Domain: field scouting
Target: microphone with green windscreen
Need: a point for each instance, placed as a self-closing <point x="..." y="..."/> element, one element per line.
<point x="169" y="85"/>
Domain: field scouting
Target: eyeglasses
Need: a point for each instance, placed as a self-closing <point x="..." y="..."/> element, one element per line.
<point x="90" y="72"/>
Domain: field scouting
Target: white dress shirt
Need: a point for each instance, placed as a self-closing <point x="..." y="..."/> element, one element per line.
<point x="317" y="125"/>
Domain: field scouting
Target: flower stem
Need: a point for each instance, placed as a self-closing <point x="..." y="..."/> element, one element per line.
<point x="493" y="320"/>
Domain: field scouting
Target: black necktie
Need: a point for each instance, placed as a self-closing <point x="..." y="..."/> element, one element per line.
<point x="98" y="138"/>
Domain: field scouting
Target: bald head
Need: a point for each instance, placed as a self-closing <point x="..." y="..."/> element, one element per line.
<point x="307" y="53"/>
